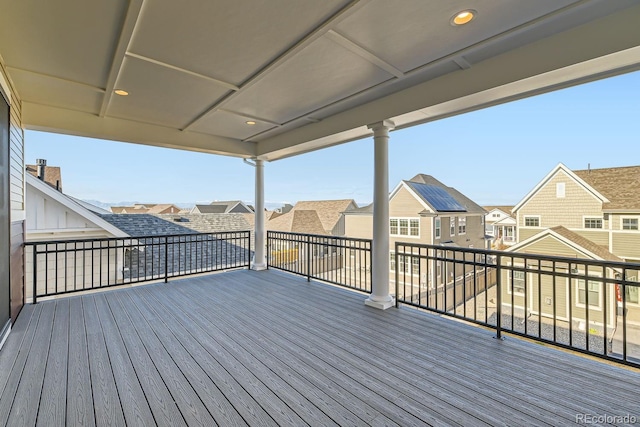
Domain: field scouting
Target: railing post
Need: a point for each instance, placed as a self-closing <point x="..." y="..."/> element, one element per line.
<point x="249" y="250"/>
<point x="35" y="273"/>
<point x="166" y="259"/>
<point x="308" y="258"/>
<point x="397" y="276"/>
<point x="498" y="298"/>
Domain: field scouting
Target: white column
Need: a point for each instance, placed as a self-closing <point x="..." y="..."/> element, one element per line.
<point x="259" y="260"/>
<point x="380" y="297"/>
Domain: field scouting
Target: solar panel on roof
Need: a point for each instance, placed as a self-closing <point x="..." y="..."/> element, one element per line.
<point x="437" y="197"/>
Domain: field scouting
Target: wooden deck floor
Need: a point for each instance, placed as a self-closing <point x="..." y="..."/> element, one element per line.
<point x="267" y="348"/>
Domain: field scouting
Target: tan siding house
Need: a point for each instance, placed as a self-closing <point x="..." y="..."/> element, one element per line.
<point x="425" y="211"/>
<point x="569" y="297"/>
<point x="602" y="205"/>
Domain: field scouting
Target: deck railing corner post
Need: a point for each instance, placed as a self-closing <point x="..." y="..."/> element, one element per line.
<point x="308" y="258"/>
<point x="499" y="298"/>
<point x="166" y="259"/>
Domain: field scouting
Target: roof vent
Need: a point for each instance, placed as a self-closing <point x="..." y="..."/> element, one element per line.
<point x="42" y="164"/>
<point x="181" y="219"/>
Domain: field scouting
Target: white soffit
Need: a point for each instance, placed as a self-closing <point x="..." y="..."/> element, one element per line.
<point x="309" y="73"/>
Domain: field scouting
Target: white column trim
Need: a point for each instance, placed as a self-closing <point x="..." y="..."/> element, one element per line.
<point x="259" y="259"/>
<point x="380" y="297"/>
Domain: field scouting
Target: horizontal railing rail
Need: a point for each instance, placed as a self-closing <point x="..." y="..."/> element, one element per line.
<point x="586" y="305"/>
<point x="341" y="261"/>
<point x="66" y="266"/>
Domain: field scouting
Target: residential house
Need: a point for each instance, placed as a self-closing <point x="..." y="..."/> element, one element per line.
<point x="602" y="205"/>
<point x="233" y="206"/>
<point x="532" y="292"/>
<point x="54" y="216"/>
<point x="500" y="226"/>
<point x="423" y="210"/>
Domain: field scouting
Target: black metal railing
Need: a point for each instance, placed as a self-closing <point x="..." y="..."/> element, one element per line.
<point x="585" y="305"/>
<point x="342" y="261"/>
<point x="60" y="267"/>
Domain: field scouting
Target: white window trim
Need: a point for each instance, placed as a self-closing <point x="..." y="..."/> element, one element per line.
<point x="524" y="221"/>
<point x="622" y="218"/>
<point x="561" y="190"/>
<point x="509" y="284"/>
<point x="452" y="226"/>
<point x="437" y="231"/>
<point x="590" y="278"/>
<point x="631" y="279"/>
<point x="586" y="217"/>
<point x="465" y="225"/>
<point x="408" y="235"/>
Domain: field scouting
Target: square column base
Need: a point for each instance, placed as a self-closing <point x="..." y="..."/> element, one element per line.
<point x="380" y="305"/>
<point x="258" y="267"/>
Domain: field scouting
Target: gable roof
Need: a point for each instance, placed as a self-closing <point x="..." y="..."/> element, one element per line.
<point x="560" y="167"/>
<point x="160" y="208"/>
<point x="571" y="239"/>
<point x="620" y="185"/>
<point x="328" y="211"/>
<point x="298" y="221"/>
<point x="505" y="209"/>
<point x="141" y="225"/>
<point x="235" y="206"/>
<point x="364" y="210"/>
<point x="438" y="197"/>
<point x="71" y="204"/>
<point x="52" y="175"/>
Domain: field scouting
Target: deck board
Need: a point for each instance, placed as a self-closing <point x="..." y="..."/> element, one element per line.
<point x="267" y="348"/>
<point x="53" y="401"/>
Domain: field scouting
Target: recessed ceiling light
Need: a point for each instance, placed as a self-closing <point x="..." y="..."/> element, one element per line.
<point x="250" y="122"/>
<point x="463" y="17"/>
<point x="121" y="92"/>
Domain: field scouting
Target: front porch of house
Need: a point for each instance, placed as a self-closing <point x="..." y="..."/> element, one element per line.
<point x="269" y="348"/>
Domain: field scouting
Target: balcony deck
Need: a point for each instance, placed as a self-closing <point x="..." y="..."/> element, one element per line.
<point x="268" y="348"/>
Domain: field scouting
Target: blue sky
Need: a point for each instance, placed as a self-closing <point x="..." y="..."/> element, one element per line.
<point x="494" y="156"/>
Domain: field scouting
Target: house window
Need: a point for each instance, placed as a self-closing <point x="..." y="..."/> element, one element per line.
<point x="403" y="263"/>
<point x="631" y="294"/>
<point x="392" y="261"/>
<point x="532" y="221"/>
<point x="629" y="223"/>
<point x="593" y="223"/>
<point x="593" y="293"/>
<point x="404" y="227"/>
<point x="462" y="225"/>
<point x="393" y="226"/>
<point x="560" y="190"/>
<point x="517" y="285"/>
<point x="414" y="227"/>
<point x="495" y="215"/>
<point x="438" y="228"/>
<point x="452" y="226"/>
<point x="415" y="265"/>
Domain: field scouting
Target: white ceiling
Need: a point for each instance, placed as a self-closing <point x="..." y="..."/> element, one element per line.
<point x="310" y="73"/>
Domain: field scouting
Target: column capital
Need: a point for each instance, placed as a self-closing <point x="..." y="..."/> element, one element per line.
<point x="388" y="124"/>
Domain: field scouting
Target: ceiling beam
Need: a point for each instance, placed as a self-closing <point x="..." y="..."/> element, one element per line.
<point x="364" y="54"/>
<point x="309" y="38"/>
<point x="61" y="79"/>
<point x="222" y="83"/>
<point x="60" y="120"/>
<point x="126" y="34"/>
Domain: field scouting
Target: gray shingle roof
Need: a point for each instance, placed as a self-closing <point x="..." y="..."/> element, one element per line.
<point x="138" y="225"/>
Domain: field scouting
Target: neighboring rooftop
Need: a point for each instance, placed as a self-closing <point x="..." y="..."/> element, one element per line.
<point x="505" y="209"/>
<point x="620" y="185"/>
<point x="211" y="223"/>
<point x="329" y="211"/>
<point x="578" y="240"/>
<point x="140" y="225"/>
<point x="298" y="221"/>
<point x="231" y="206"/>
<point x="440" y="197"/>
